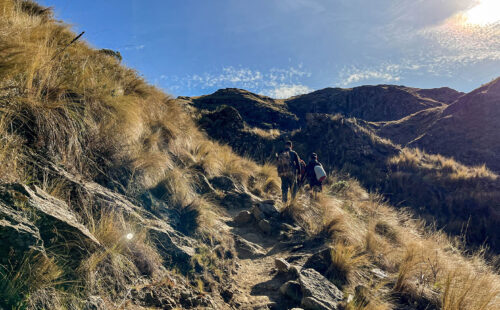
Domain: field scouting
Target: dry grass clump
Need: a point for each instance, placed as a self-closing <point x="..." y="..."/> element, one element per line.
<point x="440" y="166"/>
<point x="11" y="155"/>
<point x="36" y="272"/>
<point x="346" y="263"/>
<point x="126" y="257"/>
<point x="269" y="134"/>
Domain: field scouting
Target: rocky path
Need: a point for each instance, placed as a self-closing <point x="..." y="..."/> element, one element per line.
<point x="258" y="233"/>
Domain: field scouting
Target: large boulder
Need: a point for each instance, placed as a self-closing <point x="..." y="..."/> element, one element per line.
<point x="318" y="292"/>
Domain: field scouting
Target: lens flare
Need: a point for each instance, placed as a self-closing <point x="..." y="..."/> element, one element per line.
<point x="129" y="236"/>
<point x="486" y="12"/>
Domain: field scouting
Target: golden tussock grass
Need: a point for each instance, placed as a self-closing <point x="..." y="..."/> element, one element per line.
<point x="442" y="167"/>
<point x="35" y="272"/>
<point x="421" y="263"/>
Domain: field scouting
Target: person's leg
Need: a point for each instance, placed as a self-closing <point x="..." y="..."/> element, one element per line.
<point x="295" y="187"/>
<point x="284" y="189"/>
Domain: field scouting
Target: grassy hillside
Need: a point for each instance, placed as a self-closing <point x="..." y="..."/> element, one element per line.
<point x="468" y="128"/>
<point x="78" y="108"/>
<point x="111" y="198"/>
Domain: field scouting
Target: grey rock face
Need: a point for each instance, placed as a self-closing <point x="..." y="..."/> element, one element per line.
<point x="244" y="217"/>
<point x="292" y="290"/>
<point x="265" y="226"/>
<point x="54" y="216"/>
<point x="172" y="244"/>
<point x="282" y="265"/>
<point x="17" y="235"/>
<point x="319" y="293"/>
<point x="247" y="249"/>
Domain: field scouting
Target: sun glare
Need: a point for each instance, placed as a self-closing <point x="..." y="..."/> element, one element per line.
<point x="486" y="12"/>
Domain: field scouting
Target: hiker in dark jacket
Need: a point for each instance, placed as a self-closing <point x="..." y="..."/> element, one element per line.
<point x="310" y="175"/>
<point x="288" y="170"/>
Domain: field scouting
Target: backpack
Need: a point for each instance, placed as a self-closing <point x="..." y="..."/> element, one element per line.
<point x="319" y="173"/>
<point x="286" y="164"/>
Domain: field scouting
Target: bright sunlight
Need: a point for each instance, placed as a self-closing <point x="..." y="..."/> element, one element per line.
<point x="486" y="12"/>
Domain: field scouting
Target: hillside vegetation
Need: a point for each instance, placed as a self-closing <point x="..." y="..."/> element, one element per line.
<point x="112" y="198"/>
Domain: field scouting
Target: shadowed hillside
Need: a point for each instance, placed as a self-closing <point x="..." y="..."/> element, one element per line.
<point x="468" y="129"/>
<point x="371" y="103"/>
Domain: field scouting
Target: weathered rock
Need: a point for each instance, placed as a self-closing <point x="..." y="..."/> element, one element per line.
<point x="247" y="249"/>
<point x="17" y="235"/>
<point x="172" y="244"/>
<point x="379" y="273"/>
<point x="100" y="195"/>
<point x="54" y="216"/>
<point x="244" y="217"/>
<point x="282" y="265"/>
<point x="265" y="226"/>
<point x="263" y="211"/>
<point x="294" y="271"/>
<point x="311" y="303"/>
<point x="176" y="248"/>
<point x="292" y="290"/>
<point x="320" y="261"/>
<point x="269" y="210"/>
<point x="318" y="292"/>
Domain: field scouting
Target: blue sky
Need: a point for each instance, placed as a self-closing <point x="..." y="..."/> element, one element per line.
<point x="282" y="48"/>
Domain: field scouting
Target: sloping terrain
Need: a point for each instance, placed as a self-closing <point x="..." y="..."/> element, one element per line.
<point x="409" y="128"/>
<point x="370" y="103"/>
<point x="258" y="111"/>
<point x="111" y="198"/>
<point x="460" y="199"/>
<point x="468" y="130"/>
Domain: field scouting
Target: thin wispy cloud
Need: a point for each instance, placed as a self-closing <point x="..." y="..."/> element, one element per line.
<point x="275" y="82"/>
<point x="382" y="74"/>
<point x="137" y="47"/>
<point x="286" y="91"/>
<point x="442" y="45"/>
